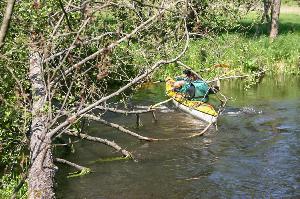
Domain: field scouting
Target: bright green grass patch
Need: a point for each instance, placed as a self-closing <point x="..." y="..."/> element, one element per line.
<point x="290" y="2"/>
<point x="245" y="51"/>
<point x="252" y="26"/>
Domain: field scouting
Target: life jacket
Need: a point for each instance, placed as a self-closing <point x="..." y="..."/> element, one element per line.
<point x="185" y="86"/>
<point x="198" y="90"/>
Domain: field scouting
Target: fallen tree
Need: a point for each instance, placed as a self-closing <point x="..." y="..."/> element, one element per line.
<point x="76" y="57"/>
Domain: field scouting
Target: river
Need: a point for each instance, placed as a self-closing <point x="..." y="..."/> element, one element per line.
<point x="254" y="154"/>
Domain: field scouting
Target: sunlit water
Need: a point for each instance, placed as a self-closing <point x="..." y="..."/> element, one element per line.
<point x="254" y="153"/>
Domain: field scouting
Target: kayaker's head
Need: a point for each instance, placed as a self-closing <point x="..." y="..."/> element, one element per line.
<point x="190" y="74"/>
<point x="187" y="72"/>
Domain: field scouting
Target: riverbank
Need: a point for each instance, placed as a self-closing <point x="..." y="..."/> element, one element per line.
<point x="246" y="49"/>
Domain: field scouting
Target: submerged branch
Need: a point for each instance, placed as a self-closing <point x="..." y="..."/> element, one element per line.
<point x="191" y="136"/>
<point x="201" y="133"/>
<point x="83" y="170"/>
<point x="142" y="137"/>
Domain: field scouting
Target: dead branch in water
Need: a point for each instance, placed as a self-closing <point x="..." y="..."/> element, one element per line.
<point x="125" y="112"/>
<point x="76" y="166"/>
<point x="83" y="170"/>
<point x="191" y="136"/>
<point x="160" y="103"/>
<point x="120" y="128"/>
<point x="112" y="144"/>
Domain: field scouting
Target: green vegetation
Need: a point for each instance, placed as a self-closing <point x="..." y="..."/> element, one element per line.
<point x="246" y="49"/>
<point x="290" y="3"/>
<point x="9" y="183"/>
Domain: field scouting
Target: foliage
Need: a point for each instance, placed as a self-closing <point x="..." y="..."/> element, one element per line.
<point x="211" y="15"/>
<point x="291" y="2"/>
<point x="8" y="184"/>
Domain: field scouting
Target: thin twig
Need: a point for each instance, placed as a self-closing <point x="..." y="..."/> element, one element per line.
<point x="160" y="103"/>
<point x="65" y="13"/>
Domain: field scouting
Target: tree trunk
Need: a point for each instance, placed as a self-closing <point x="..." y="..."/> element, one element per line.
<point x="266" y="16"/>
<point x="275" y="17"/>
<point x="41" y="171"/>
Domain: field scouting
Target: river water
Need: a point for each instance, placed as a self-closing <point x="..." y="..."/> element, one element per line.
<point x="254" y="153"/>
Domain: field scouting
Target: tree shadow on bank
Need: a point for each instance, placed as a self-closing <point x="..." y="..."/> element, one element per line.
<point x="288" y="23"/>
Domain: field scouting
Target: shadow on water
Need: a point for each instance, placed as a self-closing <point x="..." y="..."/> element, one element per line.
<point x="254" y="154"/>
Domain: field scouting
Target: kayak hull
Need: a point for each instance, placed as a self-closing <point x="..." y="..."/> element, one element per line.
<point x="197" y="114"/>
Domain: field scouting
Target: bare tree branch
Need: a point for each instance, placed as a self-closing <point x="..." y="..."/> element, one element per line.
<point x="134" y="81"/>
<point x="69" y="50"/>
<point x="120" y="128"/>
<point x="74" y="46"/>
<point x="76" y="166"/>
<point x="108" y="48"/>
<point x="65" y="13"/>
<point x="59" y="21"/>
<point x="6" y="20"/>
<point x="125" y="153"/>
<point x="125" y="112"/>
<point x="260" y="73"/>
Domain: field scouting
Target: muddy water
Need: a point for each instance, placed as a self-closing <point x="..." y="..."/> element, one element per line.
<point x="254" y="153"/>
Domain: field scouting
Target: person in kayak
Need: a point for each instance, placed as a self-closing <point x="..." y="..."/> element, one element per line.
<point x="192" y="87"/>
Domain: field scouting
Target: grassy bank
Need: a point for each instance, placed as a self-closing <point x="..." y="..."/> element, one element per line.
<point x="246" y="49"/>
